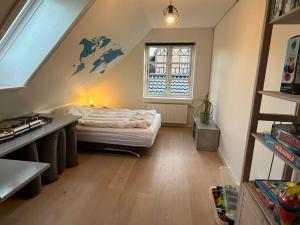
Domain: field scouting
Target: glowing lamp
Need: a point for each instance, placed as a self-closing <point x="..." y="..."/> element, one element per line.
<point x="91" y="103"/>
<point x="170" y="15"/>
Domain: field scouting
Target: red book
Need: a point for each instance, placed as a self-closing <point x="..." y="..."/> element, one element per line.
<point x="283" y="151"/>
<point x="287" y="134"/>
<point x="265" y="200"/>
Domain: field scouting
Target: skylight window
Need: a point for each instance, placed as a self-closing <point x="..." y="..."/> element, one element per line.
<point x="32" y="34"/>
<point x="13" y="21"/>
<point x="9" y="10"/>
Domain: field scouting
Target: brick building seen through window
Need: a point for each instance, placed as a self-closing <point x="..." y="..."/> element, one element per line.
<point x="169" y="70"/>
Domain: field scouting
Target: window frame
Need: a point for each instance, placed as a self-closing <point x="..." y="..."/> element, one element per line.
<point x="17" y="24"/>
<point x="168" y="97"/>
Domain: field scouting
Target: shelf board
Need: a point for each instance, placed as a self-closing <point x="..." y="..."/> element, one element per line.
<point x="291" y="17"/>
<point x="260" y="137"/>
<point x="267" y="212"/>
<point x="281" y="95"/>
<point x="20" y="173"/>
<point x="58" y="122"/>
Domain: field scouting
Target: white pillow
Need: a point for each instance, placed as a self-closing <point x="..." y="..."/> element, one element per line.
<point x="74" y="110"/>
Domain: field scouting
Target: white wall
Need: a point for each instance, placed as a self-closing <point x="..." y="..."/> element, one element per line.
<point x="123" y="85"/>
<point x="235" y="55"/>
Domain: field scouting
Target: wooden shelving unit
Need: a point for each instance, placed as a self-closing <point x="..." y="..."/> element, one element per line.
<point x="281" y="95"/>
<point x="260" y="137"/>
<point x="249" y="200"/>
<point x="267" y="212"/>
<point x="292" y="17"/>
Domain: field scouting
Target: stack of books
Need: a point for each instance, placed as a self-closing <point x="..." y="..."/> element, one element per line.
<point x="285" y="140"/>
<point x="281" y="7"/>
<point x="267" y="191"/>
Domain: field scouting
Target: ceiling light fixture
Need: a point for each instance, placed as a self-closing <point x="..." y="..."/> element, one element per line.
<point x="170" y="15"/>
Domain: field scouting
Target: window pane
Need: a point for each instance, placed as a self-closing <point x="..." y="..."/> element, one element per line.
<point x="156" y="70"/>
<point x="158" y="54"/>
<point x="180" y="88"/>
<point x="181" y="71"/>
<point x="169" y="71"/>
<point x="181" y="55"/>
<point x="35" y="35"/>
<point x="156" y="87"/>
<point x="9" y="13"/>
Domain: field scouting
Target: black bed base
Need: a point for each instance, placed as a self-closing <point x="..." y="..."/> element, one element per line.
<point x="111" y="148"/>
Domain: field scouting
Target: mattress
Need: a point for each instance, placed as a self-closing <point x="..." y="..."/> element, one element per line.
<point x="137" y="137"/>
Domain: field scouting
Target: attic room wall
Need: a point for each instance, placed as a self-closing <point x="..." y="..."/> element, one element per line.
<point x="54" y="83"/>
<point x="235" y="55"/>
<point x="123" y="86"/>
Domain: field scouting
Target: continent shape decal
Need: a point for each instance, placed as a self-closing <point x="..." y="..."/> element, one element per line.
<point x="105" y="52"/>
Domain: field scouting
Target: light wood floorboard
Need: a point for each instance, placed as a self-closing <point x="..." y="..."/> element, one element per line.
<point x="169" y="186"/>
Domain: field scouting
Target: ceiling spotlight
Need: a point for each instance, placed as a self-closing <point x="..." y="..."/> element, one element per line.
<point x="170" y="15"/>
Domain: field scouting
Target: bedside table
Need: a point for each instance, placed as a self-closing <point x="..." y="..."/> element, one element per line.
<point x="206" y="136"/>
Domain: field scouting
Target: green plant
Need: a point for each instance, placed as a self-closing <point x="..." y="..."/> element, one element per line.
<point x="206" y="110"/>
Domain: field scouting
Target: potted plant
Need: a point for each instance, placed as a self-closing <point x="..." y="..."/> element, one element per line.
<point x="206" y="110"/>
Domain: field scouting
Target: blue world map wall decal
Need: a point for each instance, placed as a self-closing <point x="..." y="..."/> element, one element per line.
<point x="101" y="51"/>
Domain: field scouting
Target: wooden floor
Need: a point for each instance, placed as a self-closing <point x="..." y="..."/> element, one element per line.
<point x="168" y="186"/>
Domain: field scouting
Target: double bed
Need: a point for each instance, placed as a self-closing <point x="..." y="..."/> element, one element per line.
<point x="120" y="130"/>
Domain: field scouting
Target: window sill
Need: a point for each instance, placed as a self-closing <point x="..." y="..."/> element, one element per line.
<point x="9" y="88"/>
<point x="168" y="100"/>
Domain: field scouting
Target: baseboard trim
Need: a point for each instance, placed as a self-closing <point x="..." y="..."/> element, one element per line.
<point x="224" y="161"/>
<point x="176" y="125"/>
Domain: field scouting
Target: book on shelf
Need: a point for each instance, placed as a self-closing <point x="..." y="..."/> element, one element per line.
<point x="288" y="135"/>
<point x="296" y="3"/>
<point x="276" y="8"/>
<point x="288" y="5"/>
<point x="280" y="7"/>
<point x="282" y="150"/>
<point x="290" y="82"/>
<point x="265" y="200"/>
<point x="269" y="188"/>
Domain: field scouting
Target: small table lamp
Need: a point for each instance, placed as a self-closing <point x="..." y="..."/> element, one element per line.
<point x="91" y="103"/>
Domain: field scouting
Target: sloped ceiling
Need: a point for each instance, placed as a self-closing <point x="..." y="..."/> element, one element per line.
<point x="192" y="13"/>
<point x="127" y="22"/>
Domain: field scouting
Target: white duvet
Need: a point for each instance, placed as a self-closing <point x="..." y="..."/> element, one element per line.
<point x="110" y="118"/>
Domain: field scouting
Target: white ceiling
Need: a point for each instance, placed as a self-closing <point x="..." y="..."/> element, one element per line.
<point x="192" y="13"/>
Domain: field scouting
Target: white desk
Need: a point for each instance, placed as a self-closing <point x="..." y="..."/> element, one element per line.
<point x="16" y="174"/>
<point x="58" y="122"/>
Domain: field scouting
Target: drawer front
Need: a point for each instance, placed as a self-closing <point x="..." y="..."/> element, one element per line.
<point x="208" y="140"/>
